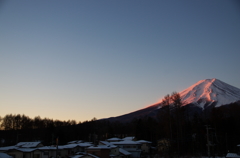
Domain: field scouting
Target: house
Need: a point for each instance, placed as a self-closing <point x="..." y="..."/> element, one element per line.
<point x="130" y="146"/>
<point x="83" y="146"/>
<point x="24" y="150"/>
<point x="145" y="146"/>
<point x="74" y="147"/>
<point x="66" y="150"/>
<point x="234" y="155"/>
<point x="6" y="148"/>
<point x="3" y="155"/>
<point x="114" y="150"/>
<point x="49" y="151"/>
<point x="37" y="150"/>
<point x="25" y="153"/>
<point x="34" y="150"/>
<point x="101" y="151"/>
<point x="84" y="155"/>
<point x="124" y="153"/>
<point x="71" y="149"/>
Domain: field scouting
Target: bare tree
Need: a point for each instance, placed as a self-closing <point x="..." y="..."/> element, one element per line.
<point x="176" y="100"/>
<point x="177" y="103"/>
<point x="8" y="122"/>
<point x="166" y="104"/>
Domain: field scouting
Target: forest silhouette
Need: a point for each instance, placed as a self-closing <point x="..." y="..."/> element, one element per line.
<point x="187" y="135"/>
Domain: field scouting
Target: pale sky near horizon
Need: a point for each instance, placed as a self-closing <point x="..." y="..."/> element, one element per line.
<point x="83" y="59"/>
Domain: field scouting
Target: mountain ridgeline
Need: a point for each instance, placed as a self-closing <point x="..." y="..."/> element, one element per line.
<point x="199" y="98"/>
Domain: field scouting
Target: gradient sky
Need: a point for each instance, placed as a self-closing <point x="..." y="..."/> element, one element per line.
<point x="83" y="59"/>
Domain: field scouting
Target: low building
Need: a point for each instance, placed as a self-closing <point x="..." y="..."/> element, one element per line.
<point x="49" y="151"/>
<point x="24" y="150"/>
<point x="4" y="155"/>
<point x="101" y="151"/>
<point x="232" y="155"/>
<point x="25" y="153"/>
<point x="114" y="150"/>
<point x="84" y="155"/>
<point x="130" y="146"/>
<point x="71" y="149"/>
<point x="6" y="148"/>
<point x="124" y="153"/>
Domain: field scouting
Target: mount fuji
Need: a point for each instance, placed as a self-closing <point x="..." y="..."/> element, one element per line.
<point x="205" y="94"/>
<point x="209" y="91"/>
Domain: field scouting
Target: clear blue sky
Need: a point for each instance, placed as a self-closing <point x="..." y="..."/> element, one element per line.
<point x="84" y="59"/>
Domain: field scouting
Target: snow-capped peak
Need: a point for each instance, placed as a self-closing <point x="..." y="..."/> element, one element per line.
<point x="206" y="92"/>
<point x="202" y="94"/>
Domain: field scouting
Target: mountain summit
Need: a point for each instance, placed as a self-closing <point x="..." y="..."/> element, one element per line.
<point x="209" y="91"/>
<point x="198" y="97"/>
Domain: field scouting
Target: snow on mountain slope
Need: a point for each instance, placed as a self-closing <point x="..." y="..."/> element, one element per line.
<point x="206" y="92"/>
<point x="200" y="95"/>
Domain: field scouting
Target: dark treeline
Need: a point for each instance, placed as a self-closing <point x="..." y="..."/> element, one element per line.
<point x="186" y="136"/>
<point x="21" y="122"/>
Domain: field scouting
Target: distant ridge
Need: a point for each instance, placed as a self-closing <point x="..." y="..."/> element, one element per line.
<point x="201" y="95"/>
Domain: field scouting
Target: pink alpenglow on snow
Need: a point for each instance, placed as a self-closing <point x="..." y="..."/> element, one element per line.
<point x="210" y="91"/>
<point x="201" y="95"/>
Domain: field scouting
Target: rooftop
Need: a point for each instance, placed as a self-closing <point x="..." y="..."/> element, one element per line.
<point x="233" y="155"/>
<point x="99" y="147"/>
<point x="27" y="144"/>
<point x="143" y="141"/>
<point x="114" y="139"/>
<point x="126" y="142"/>
<point x="124" y="152"/>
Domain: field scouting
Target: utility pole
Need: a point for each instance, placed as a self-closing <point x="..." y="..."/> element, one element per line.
<point x="57" y="147"/>
<point x="208" y="142"/>
<point x="226" y="142"/>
